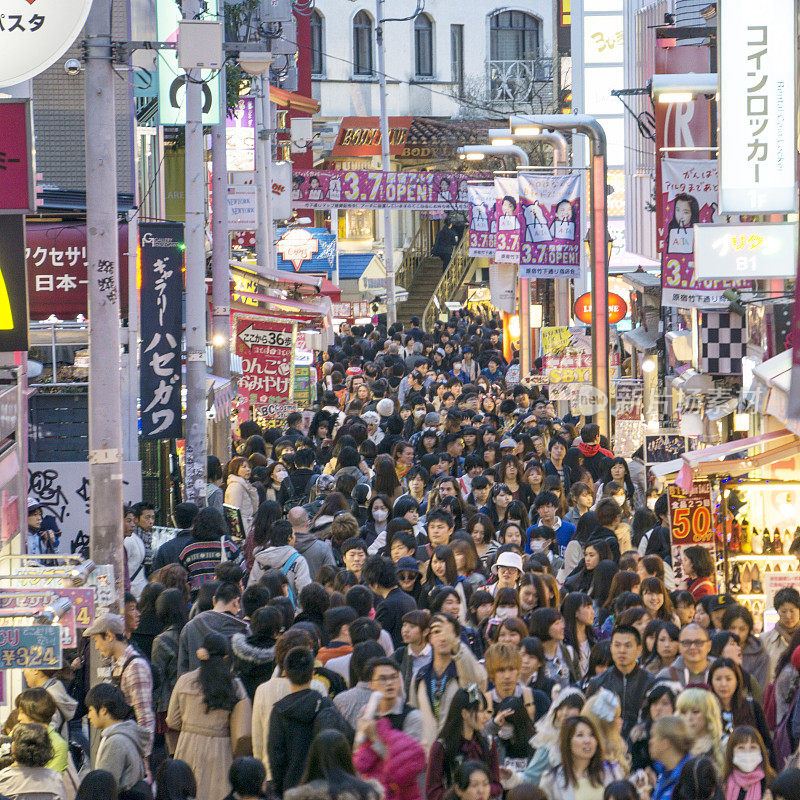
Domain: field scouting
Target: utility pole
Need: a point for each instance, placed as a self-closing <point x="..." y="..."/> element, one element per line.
<point x="388" y="246"/>
<point x="105" y="402"/>
<point x="263" y="237"/>
<point x="221" y="276"/>
<point x="267" y="147"/>
<point x="195" y="425"/>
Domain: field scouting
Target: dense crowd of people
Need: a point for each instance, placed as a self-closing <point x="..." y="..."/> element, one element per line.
<point x="445" y="591"/>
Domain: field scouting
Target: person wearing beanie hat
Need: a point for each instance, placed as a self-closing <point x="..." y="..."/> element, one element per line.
<point x="385" y="407"/>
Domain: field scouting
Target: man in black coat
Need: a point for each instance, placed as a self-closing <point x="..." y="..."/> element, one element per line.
<point x="169" y="552"/>
<point x="296" y="719"/>
<point x="625" y="679"/>
<point x="380" y="574"/>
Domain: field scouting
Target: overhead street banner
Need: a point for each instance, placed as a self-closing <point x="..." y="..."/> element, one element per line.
<point x="365" y="189"/>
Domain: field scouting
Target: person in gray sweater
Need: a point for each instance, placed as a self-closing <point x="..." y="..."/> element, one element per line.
<point x="123" y="743"/>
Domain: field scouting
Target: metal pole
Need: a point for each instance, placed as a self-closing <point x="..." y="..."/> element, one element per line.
<point x="335" y="232"/>
<point x="266" y="143"/>
<point x="562" y="285"/>
<point x="262" y="225"/>
<point x="221" y="277"/>
<point x="195" y="426"/>
<point x="388" y="245"/>
<point x="105" y="402"/>
<point x="578" y="106"/>
<point x="131" y="399"/>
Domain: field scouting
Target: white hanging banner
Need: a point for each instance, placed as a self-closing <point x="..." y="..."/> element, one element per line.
<point x="758" y="88"/>
<point x="503" y="286"/>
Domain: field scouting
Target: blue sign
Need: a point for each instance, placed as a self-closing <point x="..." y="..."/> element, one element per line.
<point x="31" y="646"/>
<point x="306" y="250"/>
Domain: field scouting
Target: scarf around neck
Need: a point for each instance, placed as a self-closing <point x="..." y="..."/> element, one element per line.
<point x="589" y="450"/>
<point x="750" y="782"/>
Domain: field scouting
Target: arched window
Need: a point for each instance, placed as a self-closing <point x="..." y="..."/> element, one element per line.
<point x="362" y="43"/>
<point x="423" y="46"/>
<point x="317" y="63"/>
<point x="515" y="36"/>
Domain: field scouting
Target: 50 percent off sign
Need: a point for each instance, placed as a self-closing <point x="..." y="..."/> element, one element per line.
<point x="691" y="522"/>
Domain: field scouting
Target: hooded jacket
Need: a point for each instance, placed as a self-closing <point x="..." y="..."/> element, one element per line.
<point x="253" y="664"/>
<point x="122" y="751"/>
<point x="274" y="558"/>
<point x="316" y="553"/>
<point x="31" y="783"/>
<point x="196" y="630"/>
<point x="755" y="660"/>
<point x="244" y="496"/>
<point x="65" y="704"/>
<point x="631" y="690"/>
<point x="292" y="725"/>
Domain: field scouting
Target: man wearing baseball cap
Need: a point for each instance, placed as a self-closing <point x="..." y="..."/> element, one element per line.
<point x="129" y="668"/>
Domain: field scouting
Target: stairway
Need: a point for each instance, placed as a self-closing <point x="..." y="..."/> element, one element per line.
<point x="426" y="278"/>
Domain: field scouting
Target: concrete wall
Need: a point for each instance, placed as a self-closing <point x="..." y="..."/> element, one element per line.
<point x="341" y="93"/>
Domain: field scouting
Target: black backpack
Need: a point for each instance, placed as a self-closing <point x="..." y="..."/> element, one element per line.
<point x="327" y="717"/>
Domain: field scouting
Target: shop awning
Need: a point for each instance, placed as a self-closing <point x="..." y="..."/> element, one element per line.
<point x="641" y="339"/>
<point x="293" y="101"/>
<point x="716" y="460"/>
<point x="770" y="387"/>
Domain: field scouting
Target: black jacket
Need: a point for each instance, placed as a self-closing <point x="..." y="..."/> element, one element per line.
<point x="631" y="690"/>
<point x="389" y="613"/>
<point x="253" y="663"/>
<point x="292" y="726"/>
<point x="170" y="552"/>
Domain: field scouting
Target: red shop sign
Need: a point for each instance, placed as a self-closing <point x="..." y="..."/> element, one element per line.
<point x="16" y="158"/>
<point x="55" y="258"/>
<point x="265" y="345"/>
<point x="617" y="308"/>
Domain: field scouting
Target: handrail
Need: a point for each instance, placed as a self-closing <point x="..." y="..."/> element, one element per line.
<point x="452" y="278"/>
<point x="416" y="252"/>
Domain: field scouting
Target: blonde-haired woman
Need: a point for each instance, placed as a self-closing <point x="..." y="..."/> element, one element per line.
<point x="699" y="708"/>
<point x="605" y="711"/>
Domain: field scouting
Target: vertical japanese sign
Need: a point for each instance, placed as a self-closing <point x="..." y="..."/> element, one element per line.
<point x="266" y="345"/>
<point x="240" y="137"/>
<point x="13" y="284"/>
<point x="690" y="522"/>
<point x="507" y="221"/>
<point x="172" y="79"/>
<point x="503" y="286"/>
<point x="689" y="191"/>
<point x="481" y="213"/>
<point x="161" y="245"/>
<point x="758" y="88"/>
<point x="17" y="194"/>
<point x="551" y="246"/>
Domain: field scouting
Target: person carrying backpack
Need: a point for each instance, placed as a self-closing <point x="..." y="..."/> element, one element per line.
<point x="296" y="719"/>
<point x="279" y="553"/>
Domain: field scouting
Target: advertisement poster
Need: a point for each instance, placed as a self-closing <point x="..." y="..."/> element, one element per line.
<point x="481" y="212"/>
<point x="161" y="299"/>
<point x="551" y="240"/>
<point x="507" y="221"/>
<point x="364" y="189"/>
<point x="662" y="447"/>
<point x="689" y="196"/>
<point x="503" y="286"/>
<point x="266" y="345"/>
<point x="567" y="361"/>
<point x="629" y="427"/>
<point x="691" y="519"/>
<point x="30" y="647"/>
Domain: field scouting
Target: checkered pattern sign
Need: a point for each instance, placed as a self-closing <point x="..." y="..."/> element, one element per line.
<point x="722" y="343"/>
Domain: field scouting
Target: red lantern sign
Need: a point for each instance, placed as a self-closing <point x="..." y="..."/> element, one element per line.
<point x="617" y="308"/>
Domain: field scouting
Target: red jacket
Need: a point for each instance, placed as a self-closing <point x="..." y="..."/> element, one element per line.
<point x="397" y="772"/>
<point x="700" y="587"/>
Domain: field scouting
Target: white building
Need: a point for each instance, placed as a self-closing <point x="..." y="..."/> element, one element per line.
<point x="454" y="59"/>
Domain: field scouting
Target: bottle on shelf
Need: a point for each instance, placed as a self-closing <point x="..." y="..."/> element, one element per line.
<point x="747" y="547"/>
<point x="734" y="540"/>
<point x="757" y="542"/>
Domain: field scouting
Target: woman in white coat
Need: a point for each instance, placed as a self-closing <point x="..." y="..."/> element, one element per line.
<point x="240" y="492"/>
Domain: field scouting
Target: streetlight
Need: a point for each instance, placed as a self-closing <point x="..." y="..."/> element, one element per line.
<point x="477" y="152"/>
<point x="598" y="208"/>
<point x="504" y="137"/>
<point x="683" y="88"/>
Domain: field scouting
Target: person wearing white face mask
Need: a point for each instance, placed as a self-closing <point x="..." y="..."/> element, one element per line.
<point x="747" y="771"/>
<point x="374" y="531"/>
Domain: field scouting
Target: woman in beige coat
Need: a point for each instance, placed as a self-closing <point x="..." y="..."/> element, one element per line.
<point x="210" y="713"/>
<point x="240" y="492"/>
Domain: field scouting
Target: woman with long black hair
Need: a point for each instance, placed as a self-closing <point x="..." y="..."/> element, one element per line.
<point x="211" y="713"/>
<point x="461" y="739"/>
<point x="330" y="773"/>
<point x="578" y="614"/>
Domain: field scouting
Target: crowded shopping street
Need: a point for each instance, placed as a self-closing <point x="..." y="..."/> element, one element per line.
<point x="399" y="400"/>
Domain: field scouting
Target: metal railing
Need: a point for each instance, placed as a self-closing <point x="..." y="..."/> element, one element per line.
<point x="416" y="252"/>
<point x="451" y="281"/>
<point x="516" y="81"/>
